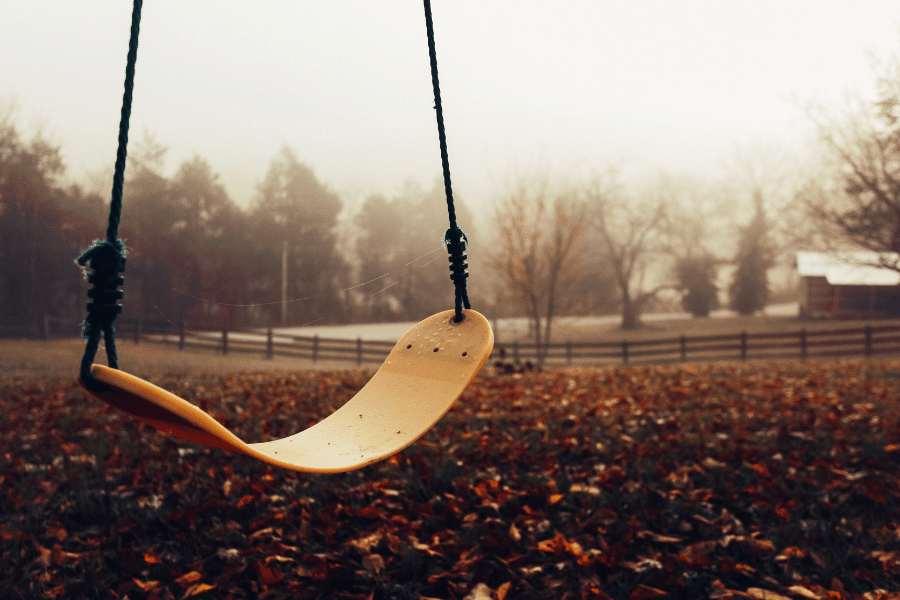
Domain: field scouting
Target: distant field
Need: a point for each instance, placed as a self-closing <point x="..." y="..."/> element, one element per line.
<point x="60" y="359"/>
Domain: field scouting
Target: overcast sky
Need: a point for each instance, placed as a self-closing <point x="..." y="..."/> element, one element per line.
<point x="565" y="85"/>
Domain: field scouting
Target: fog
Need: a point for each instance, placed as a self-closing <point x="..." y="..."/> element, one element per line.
<point x="284" y="154"/>
<point x="670" y="86"/>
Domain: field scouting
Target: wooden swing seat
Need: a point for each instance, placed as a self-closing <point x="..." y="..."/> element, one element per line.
<point x="421" y="378"/>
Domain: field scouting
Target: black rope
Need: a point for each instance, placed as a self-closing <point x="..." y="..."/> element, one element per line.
<point x="454" y="239"/>
<point x="106" y="258"/>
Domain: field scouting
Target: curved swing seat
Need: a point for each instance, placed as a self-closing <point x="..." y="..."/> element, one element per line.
<point x="422" y="377"/>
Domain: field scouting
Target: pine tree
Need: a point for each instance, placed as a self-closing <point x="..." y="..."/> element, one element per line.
<point x="696" y="278"/>
<point x="749" y="289"/>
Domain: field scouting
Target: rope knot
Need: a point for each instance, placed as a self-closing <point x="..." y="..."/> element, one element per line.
<point x="106" y="260"/>
<point x="455" y="241"/>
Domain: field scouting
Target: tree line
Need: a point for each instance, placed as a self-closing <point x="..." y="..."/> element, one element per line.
<point x="195" y="256"/>
<point x="701" y="242"/>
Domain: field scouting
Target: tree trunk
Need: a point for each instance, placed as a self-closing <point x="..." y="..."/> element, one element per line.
<point x="538" y="347"/>
<point x="631" y="312"/>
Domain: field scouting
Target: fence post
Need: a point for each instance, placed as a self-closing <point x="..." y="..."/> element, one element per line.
<point x="743" y="345"/>
<point x="269" y="349"/>
<point x="624" y="352"/>
<point x="181" y="334"/>
<point x="868" y="341"/>
<point x="359" y="351"/>
<point x="803" y="350"/>
<point x="683" y="343"/>
<point x="315" y="348"/>
<point x="516" y="351"/>
<point x="224" y="341"/>
<point x="137" y="331"/>
<point x="568" y="352"/>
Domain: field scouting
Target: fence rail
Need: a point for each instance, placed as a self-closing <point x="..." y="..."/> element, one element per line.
<point x="265" y="343"/>
<point x="865" y="341"/>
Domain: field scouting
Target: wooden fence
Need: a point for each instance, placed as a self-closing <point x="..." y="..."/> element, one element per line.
<point x="266" y="344"/>
<point x="867" y="341"/>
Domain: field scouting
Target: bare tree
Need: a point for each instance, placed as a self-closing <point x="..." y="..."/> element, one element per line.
<point x="627" y="228"/>
<point x="858" y="199"/>
<point x="536" y="260"/>
<point x="695" y="234"/>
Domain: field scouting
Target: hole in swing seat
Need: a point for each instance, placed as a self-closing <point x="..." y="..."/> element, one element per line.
<point x="464" y="353"/>
<point x="408" y="346"/>
<point x="435" y="350"/>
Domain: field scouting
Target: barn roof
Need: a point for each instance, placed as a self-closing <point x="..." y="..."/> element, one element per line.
<point x="850" y="268"/>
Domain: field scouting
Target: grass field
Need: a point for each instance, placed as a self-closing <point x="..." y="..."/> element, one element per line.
<point x="60" y="359"/>
<point x="575" y="330"/>
<point x="758" y="480"/>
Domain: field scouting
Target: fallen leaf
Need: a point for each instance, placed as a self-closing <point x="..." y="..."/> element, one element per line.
<point x="501" y="592"/>
<point x="645" y="592"/>
<point x="479" y="592"/>
<point x="188" y="579"/>
<point x="198" y="589"/>
<point x="802" y="591"/>
<point x="761" y="594"/>
<point x="147" y="586"/>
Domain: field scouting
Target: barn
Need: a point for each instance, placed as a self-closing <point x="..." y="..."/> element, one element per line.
<point x="847" y="285"/>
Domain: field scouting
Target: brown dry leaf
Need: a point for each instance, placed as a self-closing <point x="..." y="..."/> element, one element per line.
<point x="61" y="557"/>
<point x="8" y="535"/>
<point x="699" y="549"/>
<point x="373" y="563"/>
<point x="667" y="539"/>
<point x="267" y="532"/>
<point x="44" y="557"/>
<point x="268" y="575"/>
<point x="761" y="594"/>
<point x="199" y="589"/>
<point x="364" y="543"/>
<point x="799" y="590"/>
<point x="645" y="592"/>
<point x="147" y="586"/>
<point x="57" y="531"/>
<point x="645" y="564"/>
<point x="150" y="556"/>
<point x="479" y="592"/>
<point x="761" y="547"/>
<point x="188" y="579"/>
<point x="514" y="533"/>
<point x="793" y="552"/>
<point x="559" y="545"/>
<point x="395" y="544"/>
<point x="501" y="592"/>
<point x="426" y="549"/>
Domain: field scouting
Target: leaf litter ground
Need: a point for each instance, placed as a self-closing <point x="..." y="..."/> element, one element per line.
<point x="715" y="481"/>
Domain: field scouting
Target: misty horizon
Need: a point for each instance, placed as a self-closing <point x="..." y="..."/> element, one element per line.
<point x="651" y="88"/>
